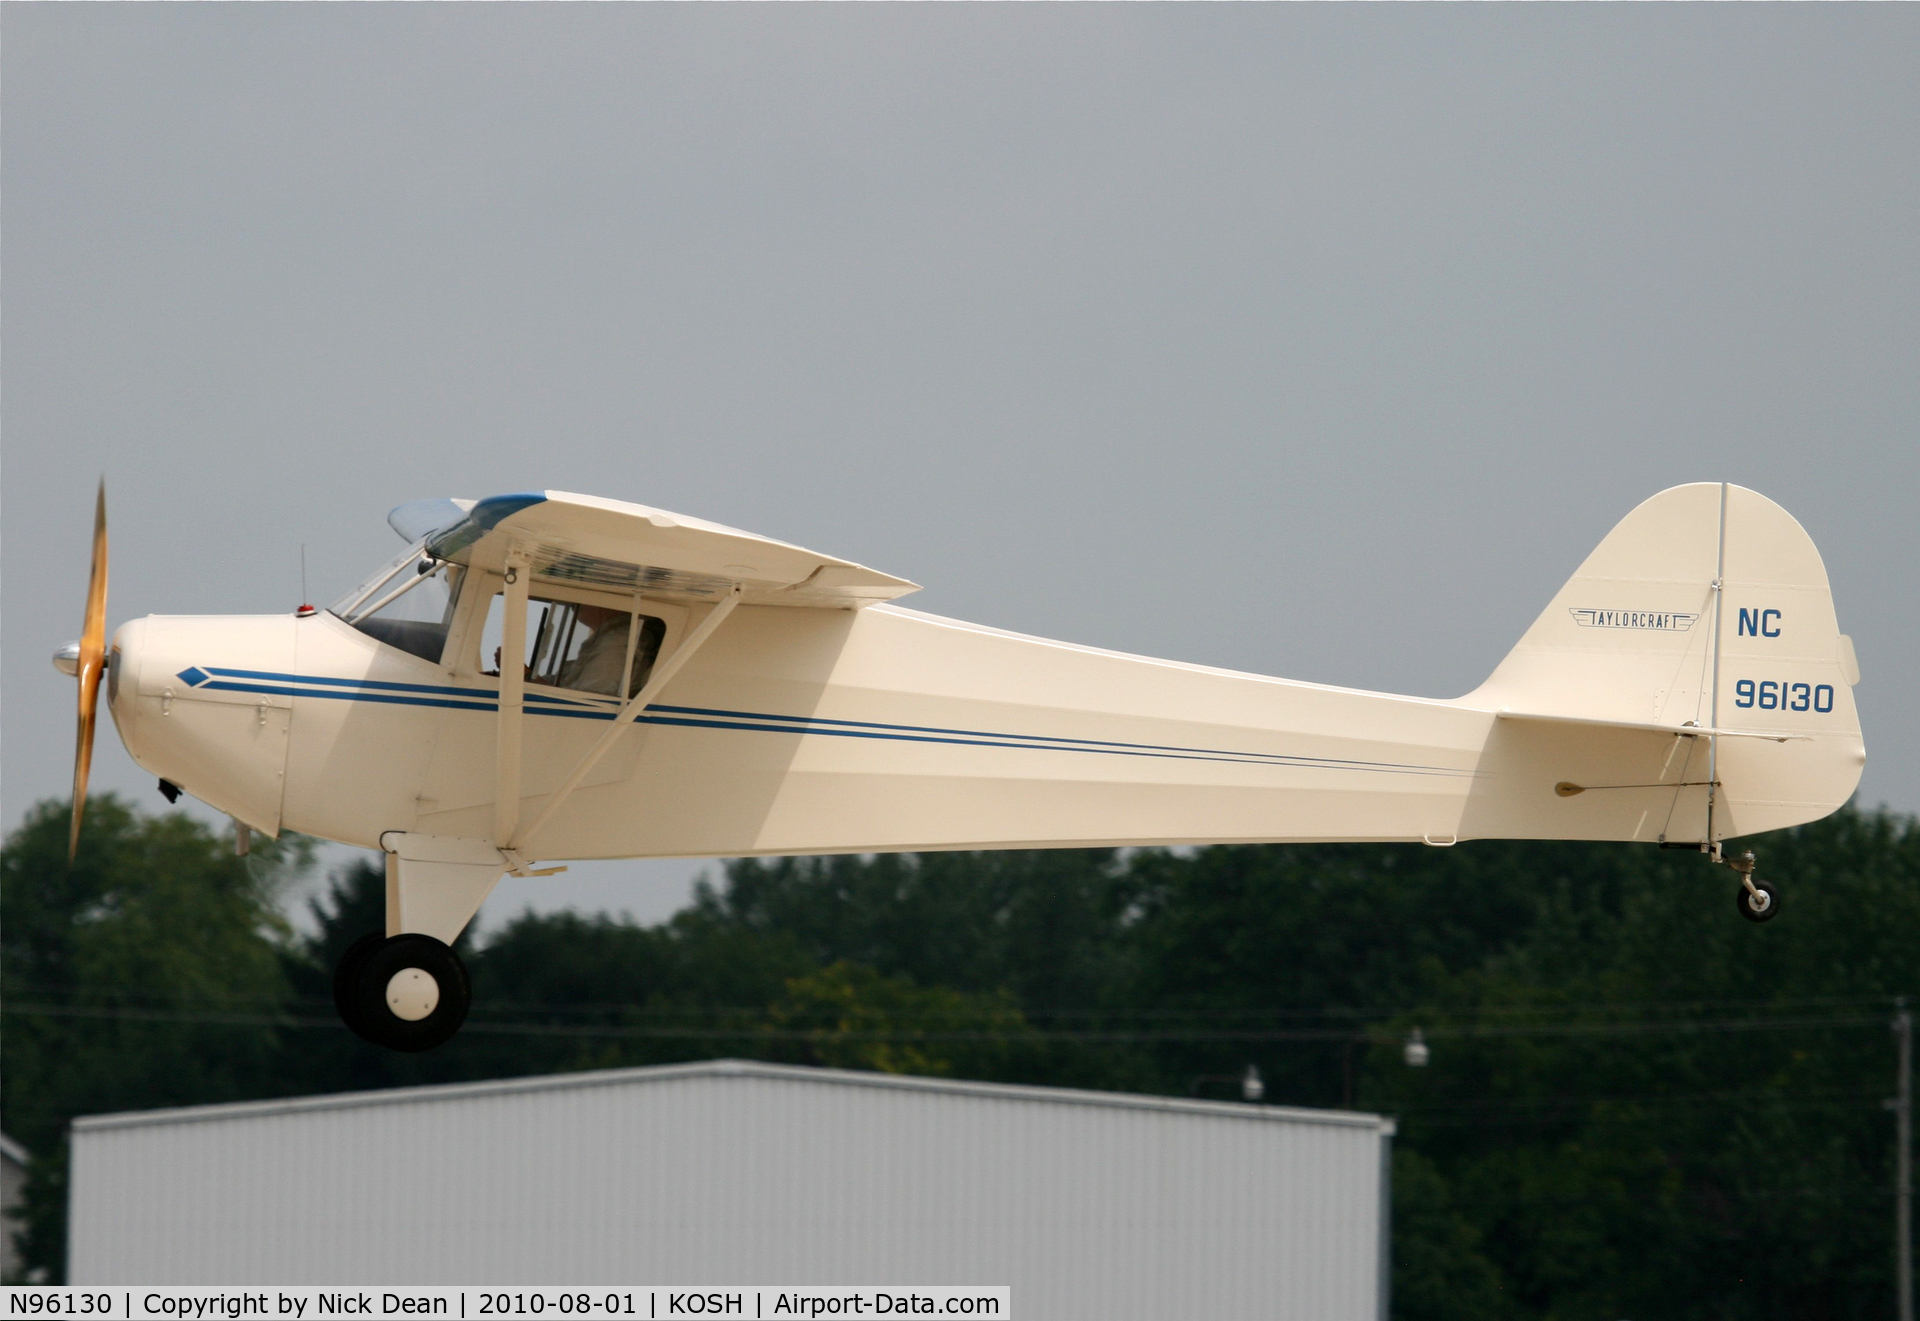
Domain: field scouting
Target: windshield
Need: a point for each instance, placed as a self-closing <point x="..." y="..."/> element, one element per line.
<point x="408" y="604"/>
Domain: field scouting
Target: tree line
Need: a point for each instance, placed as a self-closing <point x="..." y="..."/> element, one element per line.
<point x="1636" y="1104"/>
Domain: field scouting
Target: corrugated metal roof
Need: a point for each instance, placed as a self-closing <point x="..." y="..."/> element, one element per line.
<point x="1091" y="1205"/>
<point x="732" y="1068"/>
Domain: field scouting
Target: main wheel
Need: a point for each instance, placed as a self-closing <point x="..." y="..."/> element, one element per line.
<point x="1761" y="906"/>
<point x="406" y="992"/>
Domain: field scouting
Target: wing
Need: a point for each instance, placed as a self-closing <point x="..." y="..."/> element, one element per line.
<point x="592" y="541"/>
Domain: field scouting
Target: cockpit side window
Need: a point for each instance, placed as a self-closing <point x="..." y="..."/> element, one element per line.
<point x="408" y="604"/>
<point x="579" y="646"/>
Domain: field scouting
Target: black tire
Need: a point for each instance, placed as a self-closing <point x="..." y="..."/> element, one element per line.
<point x="1746" y="901"/>
<point x="344" y="973"/>
<point x="368" y="1012"/>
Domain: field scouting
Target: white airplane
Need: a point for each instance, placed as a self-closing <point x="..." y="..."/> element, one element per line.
<point x="674" y="688"/>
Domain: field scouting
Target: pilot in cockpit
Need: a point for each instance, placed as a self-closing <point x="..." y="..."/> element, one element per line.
<point x="596" y="667"/>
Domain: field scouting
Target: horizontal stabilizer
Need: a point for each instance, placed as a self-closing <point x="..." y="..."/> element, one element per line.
<point x="1679" y="731"/>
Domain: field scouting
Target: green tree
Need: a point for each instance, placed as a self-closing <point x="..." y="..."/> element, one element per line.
<point x="1440" y="1269"/>
<point x="1046" y="926"/>
<point x="848" y="1016"/>
<point x="1039" y="922"/>
<point x="1310" y="944"/>
<point x="147" y="973"/>
<point x="1646" y="1108"/>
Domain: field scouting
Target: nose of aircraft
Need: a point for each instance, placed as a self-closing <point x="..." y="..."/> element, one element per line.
<point x="185" y="695"/>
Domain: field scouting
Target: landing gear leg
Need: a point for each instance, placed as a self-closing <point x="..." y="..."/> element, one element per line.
<point x="1758" y="901"/>
<point x="406" y="989"/>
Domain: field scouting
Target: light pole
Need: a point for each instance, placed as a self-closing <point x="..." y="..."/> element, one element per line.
<point x="1251" y="1088"/>
<point x="1902" y="1107"/>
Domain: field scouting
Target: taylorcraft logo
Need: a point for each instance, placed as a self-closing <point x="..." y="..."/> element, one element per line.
<point x="1664" y="620"/>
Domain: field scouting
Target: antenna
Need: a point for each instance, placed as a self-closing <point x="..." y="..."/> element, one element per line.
<point x="306" y="608"/>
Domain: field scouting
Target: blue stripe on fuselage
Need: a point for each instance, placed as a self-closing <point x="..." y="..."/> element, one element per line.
<point x="471" y="699"/>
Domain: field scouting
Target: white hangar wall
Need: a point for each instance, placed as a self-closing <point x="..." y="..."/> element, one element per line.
<point x="1087" y="1204"/>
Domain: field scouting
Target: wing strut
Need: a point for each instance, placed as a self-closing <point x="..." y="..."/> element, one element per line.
<point x="641" y="700"/>
<point x="513" y="692"/>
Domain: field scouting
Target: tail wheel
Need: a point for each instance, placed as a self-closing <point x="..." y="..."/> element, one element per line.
<point x="1760" y="903"/>
<point x="407" y="992"/>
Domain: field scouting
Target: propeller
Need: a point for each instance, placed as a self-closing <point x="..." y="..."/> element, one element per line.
<point x="90" y="664"/>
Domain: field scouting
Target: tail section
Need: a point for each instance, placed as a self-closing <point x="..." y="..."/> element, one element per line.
<point x="1707" y="608"/>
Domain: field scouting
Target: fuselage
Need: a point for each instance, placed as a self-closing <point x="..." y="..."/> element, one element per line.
<point x="877" y="729"/>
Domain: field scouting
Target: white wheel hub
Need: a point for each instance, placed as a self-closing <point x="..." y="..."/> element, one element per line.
<point x="412" y="994"/>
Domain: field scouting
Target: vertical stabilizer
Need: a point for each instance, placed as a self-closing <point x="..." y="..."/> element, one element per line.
<point x="1705" y="608"/>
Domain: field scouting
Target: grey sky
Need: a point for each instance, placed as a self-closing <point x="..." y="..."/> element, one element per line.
<point x="1317" y="341"/>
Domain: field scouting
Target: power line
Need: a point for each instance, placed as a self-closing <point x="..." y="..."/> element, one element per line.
<point x="1584" y="1011"/>
<point x="1013" y="1034"/>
